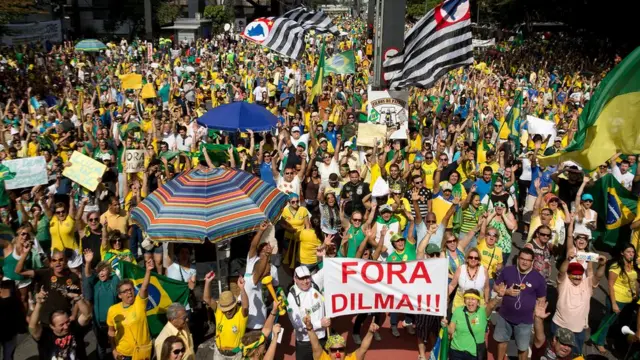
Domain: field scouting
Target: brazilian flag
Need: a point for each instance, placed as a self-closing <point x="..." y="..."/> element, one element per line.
<point x="610" y="121"/>
<point x="441" y="348"/>
<point x="162" y="293"/>
<point x="6" y="173"/>
<point x="343" y="63"/>
<point x="617" y="207"/>
<point x="316" y="89"/>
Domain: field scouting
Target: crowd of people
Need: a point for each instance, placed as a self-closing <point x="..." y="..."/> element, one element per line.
<point x="459" y="188"/>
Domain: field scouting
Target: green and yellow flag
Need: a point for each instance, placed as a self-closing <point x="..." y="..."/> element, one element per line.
<point x="316" y="89"/>
<point x="343" y="63"/>
<point x="610" y="122"/>
<point x="6" y="173"/>
<point x="162" y="293"/>
<point x="617" y="207"/>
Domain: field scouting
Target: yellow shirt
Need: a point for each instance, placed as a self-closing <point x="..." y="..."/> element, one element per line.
<point x="429" y="170"/>
<point x="131" y="325"/>
<point x="309" y="242"/>
<point x="490" y="257"/>
<point x="295" y="220"/>
<point x="399" y="213"/>
<point x="494" y="166"/>
<point x="375" y="173"/>
<point x="63" y="234"/>
<point x="414" y="145"/>
<point x="118" y="221"/>
<point x="229" y="332"/>
<point x="185" y="335"/>
<point x="625" y="286"/>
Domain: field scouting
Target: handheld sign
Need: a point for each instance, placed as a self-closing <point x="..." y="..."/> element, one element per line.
<point x="84" y="170"/>
<point x="134" y="160"/>
<point x="355" y="286"/>
<point x="30" y="171"/>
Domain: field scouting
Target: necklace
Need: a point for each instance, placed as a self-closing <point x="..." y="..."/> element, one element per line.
<point x="521" y="278"/>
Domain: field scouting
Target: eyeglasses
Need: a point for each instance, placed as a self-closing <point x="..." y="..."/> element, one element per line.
<point x="417" y="182"/>
<point x="57" y="260"/>
<point x="116" y="240"/>
<point x="93" y="219"/>
<point x="293" y="202"/>
<point x="289" y="173"/>
<point x="544" y="234"/>
<point x="127" y="290"/>
<point x="335" y="350"/>
<point x="473" y="258"/>
<point x="60" y="212"/>
<point x="452" y="241"/>
<point x="527" y="260"/>
<point x="178" y="351"/>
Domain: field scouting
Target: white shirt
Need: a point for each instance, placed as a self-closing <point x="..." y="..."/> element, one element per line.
<point x="311" y="302"/>
<point x="625" y="179"/>
<point x="178" y="273"/>
<point x="325" y="170"/>
<point x="257" y="309"/>
<point x="257" y="92"/>
<point x="183" y="144"/>
<point x="289" y="187"/>
<point x="170" y="140"/>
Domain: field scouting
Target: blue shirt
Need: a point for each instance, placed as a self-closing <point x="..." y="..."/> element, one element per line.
<point x="482" y="187"/>
<point x="332" y="136"/>
<point x="545" y="179"/>
<point x="266" y="174"/>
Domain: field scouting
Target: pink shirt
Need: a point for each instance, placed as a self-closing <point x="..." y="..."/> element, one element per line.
<point x="573" y="304"/>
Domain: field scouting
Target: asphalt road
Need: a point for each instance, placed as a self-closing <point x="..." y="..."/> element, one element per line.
<point x="402" y="348"/>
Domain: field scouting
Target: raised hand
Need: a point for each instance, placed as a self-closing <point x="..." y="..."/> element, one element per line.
<point x="541" y="309"/>
<point x="88" y="256"/>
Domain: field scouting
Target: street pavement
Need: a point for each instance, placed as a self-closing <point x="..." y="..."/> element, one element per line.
<point x="404" y="347"/>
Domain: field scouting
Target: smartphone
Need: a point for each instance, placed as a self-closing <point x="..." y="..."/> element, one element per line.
<point x="515" y="287"/>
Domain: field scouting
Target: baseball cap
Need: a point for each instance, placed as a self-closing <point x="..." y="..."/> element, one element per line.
<point x="575" y="268"/>
<point x="302" y="145"/>
<point x="397" y="237"/>
<point x="433" y="249"/>
<point x="446" y="186"/>
<point x="322" y="139"/>
<point x="302" y="271"/>
<point x="295" y="128"/>
<point x="586" y="197"/>
<point x="385" y="208"/>
<point x="566" y="336"/>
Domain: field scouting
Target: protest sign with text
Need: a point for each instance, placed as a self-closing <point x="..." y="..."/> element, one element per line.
<point x="134" y="160"/>
<point x="85" y="171"/>
<point x="355" y="286"/>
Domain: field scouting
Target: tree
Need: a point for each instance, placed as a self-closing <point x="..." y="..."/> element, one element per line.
<point x="13" y="9"/>
<point x="167" y="13"/>
<point x="219" y="15"/>
<point x="416" y="8"/>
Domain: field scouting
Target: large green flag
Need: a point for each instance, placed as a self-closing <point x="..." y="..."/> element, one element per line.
<point x="610" y="121"/>
<point x="343" y="63"/>
<point x="514" y="117"/>
<point x="162" y="293"/>
<point x="617" y="208"/>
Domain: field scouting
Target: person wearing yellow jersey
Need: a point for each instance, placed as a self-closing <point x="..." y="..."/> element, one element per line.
<point x="490" y="254"/>
<point x="429" y="167"/>
<point x="415" y="144"/>
<point x="491" y="162"/>
<point x="128" y="328"/>
<point x="310" y="240"/>
<point x="336" y="345"/>
<point x="231" y="318"/>
<point x="62" y="227"/>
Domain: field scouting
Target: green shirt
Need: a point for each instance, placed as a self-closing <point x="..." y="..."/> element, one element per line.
<point x="356" y="237"/>
<point x="462" y="338"/>
<point x="105" y="294"/>
<point x="408" y="254"/>
<point x="43" y="234"/>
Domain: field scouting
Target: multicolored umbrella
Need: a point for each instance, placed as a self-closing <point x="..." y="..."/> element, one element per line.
<point x="213" y="205"/>
<point x="90" y="45"/>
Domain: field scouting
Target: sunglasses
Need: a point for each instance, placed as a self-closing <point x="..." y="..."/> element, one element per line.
<point x="473" y="258"/>
<point x="58" y="260"/>
<point x="293" y="201"/>
<point x="94" y="219"/>
<point x="417" y="182"/>
<point x="335" y="350"/>
<point x="430" y="221"/>
<point x="23" y="234"/>
<point x="356" y="220"/>
<point x="60" y="212"/>
<point x="452" y="241"/>
<point x="492" y="234"/>
<point x="288" y="173"/>
<point x="544" y="234"/>
<point x="178" y="351"/>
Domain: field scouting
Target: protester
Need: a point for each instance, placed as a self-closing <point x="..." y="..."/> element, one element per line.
<point x="177" y="325"/>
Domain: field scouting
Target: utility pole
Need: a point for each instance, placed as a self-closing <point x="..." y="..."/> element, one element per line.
<point x="148" y="25"/>
<point x="388" y="35"/>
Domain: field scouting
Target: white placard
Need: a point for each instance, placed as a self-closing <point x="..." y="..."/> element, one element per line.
<point x="30" y="171"/>
<point x="542" y="127"/>
<point x="134" y="160"/>
<point x="388" y="107"/>
<point x="355" y="286"/>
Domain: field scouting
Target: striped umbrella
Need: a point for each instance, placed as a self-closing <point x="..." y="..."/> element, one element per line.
<point x="90" y="45"/>
<point x="213" y="205"/>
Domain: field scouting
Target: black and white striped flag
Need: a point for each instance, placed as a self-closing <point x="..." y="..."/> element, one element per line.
<point x="309" y="19"/>
<point x="285" y="35"/>
<point x="437" y="44"/>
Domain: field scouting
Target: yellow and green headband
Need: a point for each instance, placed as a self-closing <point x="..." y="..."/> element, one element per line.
<point x="254" y="345"/>
<point x="334" y="340"/>
<point x="472" y="296"/>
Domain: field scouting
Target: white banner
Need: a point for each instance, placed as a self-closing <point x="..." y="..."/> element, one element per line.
<point x="30" y="171"/>
<point x="134" y="160"/>
<point x="542" y="127"/>
<point x="388" y="107"/>
<point x="483" y="43"/>
<point x="355" y="286"/>
<point x="18" y="34"/>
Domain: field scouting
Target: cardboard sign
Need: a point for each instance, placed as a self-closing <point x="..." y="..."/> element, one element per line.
<point x="368" y="132"/>
<point x="30" y="171"/>
<point x="355" y="286"/>
<point x="134" y="161"/>
<point x="85" y="171"/>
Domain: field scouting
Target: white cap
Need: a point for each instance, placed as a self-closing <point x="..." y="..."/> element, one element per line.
<point x="302" y="271"/>
<point x="446" y="186"/>
<point x="295" y="128"/>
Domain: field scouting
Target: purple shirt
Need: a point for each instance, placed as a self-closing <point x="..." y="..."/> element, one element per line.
<point x="534" y="287"/>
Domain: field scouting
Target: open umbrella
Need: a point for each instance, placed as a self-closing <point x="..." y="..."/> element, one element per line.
<point x="215" y="205"/>
<point x="239" y="115"/>
<point x="90" y="45"/>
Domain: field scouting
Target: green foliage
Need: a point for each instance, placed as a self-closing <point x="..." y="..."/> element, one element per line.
<point x="219" y="15"/>
<point x="416" y="8"/>
<point x="167" y="13"/>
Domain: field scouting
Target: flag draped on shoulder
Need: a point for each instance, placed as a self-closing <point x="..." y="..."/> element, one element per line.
<point x="617" y="207"/>
<point x="343" y="63"/>
<point x="162" y="292"/>
<point x="285" y="34"/>
<point x="316" y="89"/>
<point x="438" y="43"/>
<point x="309" y="19"/>
<point x="610" y="120"/>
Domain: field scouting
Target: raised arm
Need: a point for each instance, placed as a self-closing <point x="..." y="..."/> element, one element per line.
<point x="316" y="347"/>
<point x="366" y="342"/>
<point x="144" y="287"/>
<point x="253" y="248"/>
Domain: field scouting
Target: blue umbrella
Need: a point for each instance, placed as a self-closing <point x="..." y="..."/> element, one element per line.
<point x="239" y="115"/>
<point x="90" y="45"/>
